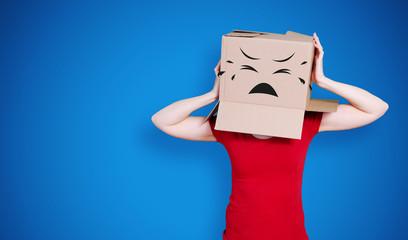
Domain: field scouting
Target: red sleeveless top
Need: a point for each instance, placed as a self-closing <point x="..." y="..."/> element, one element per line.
<point x="266" y="198"/>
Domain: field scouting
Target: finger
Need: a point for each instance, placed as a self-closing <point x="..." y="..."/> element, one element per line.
<point x="319" y="48"/>
<point x="217" y="68"/>
<point x="318" y="41"/>
<point x="318" y="51"/>
<point x="317" y="44"/>
<point x="315" y="36"/>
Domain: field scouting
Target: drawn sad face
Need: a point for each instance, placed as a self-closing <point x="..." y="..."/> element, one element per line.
<point x="267" y="75"/>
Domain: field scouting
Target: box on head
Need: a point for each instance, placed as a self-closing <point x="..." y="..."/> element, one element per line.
<point x="265" y="84"/>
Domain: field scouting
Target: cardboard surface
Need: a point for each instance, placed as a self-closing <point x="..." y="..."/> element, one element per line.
<point x="322" y="105"/>
<point x="238" y="117"/>
<point x="265" y="83"/>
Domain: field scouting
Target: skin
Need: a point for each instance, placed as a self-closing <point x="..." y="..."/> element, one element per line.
<point x="364" y="108"/>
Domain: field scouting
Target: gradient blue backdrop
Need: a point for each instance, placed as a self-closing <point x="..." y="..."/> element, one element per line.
<point x="80" y="80"/>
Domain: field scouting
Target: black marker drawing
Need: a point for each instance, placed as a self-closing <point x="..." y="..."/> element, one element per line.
<point x="284" y="60"/>
<point x="282" y="71"/>
<point x="264" y="88"/>
<point x="246" y="55"/>
<point x="247" y="67"/>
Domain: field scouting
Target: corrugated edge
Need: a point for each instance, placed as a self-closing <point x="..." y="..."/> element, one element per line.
<point x="322" y="105"/>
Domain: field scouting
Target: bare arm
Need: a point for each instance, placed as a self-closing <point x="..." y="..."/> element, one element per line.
<point x="363" y="108"/>
<point x="176" y="121"/>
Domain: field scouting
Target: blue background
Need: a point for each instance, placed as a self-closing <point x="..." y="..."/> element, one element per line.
<point x="80" y="80"/>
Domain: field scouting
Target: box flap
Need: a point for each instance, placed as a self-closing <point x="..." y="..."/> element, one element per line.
<point x="322" y="105"/>
<point x="245" y="31"/>
<point x="289" y="36"/>
<point x="260" y="119"/>
<point x="242" y="34"/>
<point x="215" y="109"/>
<point x="294" y="36"/>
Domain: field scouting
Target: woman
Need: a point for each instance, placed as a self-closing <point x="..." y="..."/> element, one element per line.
<point x="265" y="201"/>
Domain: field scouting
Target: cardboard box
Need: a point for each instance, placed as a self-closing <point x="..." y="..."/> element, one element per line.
<point x="265" y="83"/>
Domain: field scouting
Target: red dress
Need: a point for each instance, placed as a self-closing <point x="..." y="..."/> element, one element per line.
<point x="266" y="198"/>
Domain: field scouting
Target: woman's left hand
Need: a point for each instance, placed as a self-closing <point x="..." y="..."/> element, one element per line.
<point x="317" y="70"/>
<point x="363" y="108"/>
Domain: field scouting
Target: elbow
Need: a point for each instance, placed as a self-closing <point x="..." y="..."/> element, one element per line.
<point x="385" y="107"/>
<point x="154" y="120"/>
<point x="157" y="121"/>
<point x="382" y="109"/>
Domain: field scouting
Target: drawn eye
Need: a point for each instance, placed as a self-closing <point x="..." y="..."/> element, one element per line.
<point x="283" y="70"/>
<point x="247" y="67"/>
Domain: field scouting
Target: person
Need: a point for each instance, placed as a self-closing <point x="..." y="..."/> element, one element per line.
<point x="265" y="201"/>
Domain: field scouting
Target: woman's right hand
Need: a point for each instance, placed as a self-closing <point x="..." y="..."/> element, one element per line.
<point x="216" y="88"/>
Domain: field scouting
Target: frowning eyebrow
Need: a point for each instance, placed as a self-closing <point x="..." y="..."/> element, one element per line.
<point x="284" y="60"/>
<point x="247" y="67"/>
<point x="246" y="55"/>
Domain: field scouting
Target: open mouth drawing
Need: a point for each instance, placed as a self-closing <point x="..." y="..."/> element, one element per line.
<point x="264" y="88"/>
